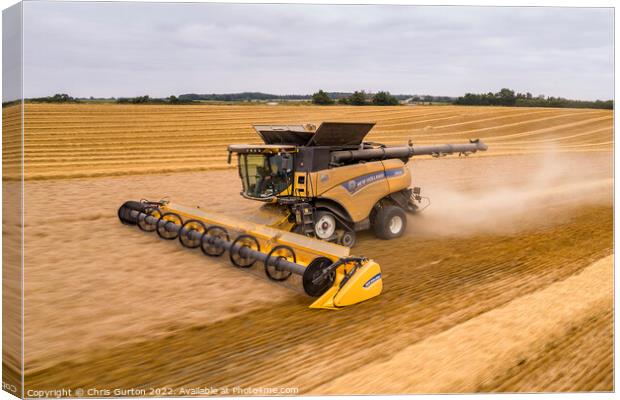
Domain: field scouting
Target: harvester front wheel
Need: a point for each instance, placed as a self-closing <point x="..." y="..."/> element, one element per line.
<point x="348" y="239"/>
<point x="390" y="222"/>
<point x="242" y="241"/>
<point x="325" y="225"/>
<point x="279" y="253"/>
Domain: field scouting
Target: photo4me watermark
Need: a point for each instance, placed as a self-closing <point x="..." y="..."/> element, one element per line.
<point x="165" y="391"/>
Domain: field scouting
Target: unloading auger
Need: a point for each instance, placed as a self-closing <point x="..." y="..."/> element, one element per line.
<point x="326" y="269"/>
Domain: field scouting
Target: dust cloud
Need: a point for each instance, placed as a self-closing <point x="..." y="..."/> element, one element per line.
<point x="511" y="194"/>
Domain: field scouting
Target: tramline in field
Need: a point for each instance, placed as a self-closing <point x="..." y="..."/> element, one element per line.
<point x="321" y="185"/>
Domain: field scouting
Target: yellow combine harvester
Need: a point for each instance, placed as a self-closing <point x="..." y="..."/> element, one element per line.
<point x="322" y="185"/>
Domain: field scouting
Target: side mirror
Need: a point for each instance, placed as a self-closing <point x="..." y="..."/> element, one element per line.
<point x="229" y="157"/>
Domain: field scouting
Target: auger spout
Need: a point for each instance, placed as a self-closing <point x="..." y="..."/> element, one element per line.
<point x="405" y="152"/>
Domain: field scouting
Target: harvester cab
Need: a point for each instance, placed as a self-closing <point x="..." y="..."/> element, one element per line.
<point x="330" y="183"/>
<point x="266" y="172"/>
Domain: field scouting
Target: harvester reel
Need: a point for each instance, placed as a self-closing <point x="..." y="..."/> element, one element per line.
<point x="207" y="244"/>
<point x="314" y="271"/>
<point x="164" y="220"/>
<point x="280" y="253"/>
<point x="185" y="234"/>
<point x="146" y="226"/>
<point x="237" y="248"/>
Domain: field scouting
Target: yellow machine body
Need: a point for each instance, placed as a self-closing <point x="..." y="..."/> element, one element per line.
<point x="364" y="284"/>
<point x="357" y="187"/>
<point x="332" y="182"/>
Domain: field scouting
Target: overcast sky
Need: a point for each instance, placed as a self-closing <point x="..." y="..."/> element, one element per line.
<point x="129" y="49"/>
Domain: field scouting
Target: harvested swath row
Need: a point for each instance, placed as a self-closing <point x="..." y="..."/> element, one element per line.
<point x="607" y="130"/>
<point x="227" y="124"/>
<point x="527" y="126"/>
<point x="219" y="145"/>
<point x="410" y="122"/>
<point x="93" y="139"/>
<point x="11" y="136"/>
<point x="162" y="131"/>
<point x="485" y="125"/>
<point x="282" y="114"/>
<point x="116" y="121"/>
<point x="447" y="283"/>
<point x="462" y="358"/>
<point x="211" y="144"/>
<point x="225" y="118"/>
<point x="203" y="161"/>
<point x="583" y="359"/>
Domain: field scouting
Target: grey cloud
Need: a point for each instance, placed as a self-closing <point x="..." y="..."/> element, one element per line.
<point x="127" y="49"/>
<point x="12" y="53"/>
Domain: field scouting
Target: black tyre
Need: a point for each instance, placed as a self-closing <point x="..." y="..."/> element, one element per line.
<point x="124" y="212"/>
<point x="325" y="225"/>
<point x="390" y="222"/>
<point x="314" y="272"/>
<point x="348" y="239"/>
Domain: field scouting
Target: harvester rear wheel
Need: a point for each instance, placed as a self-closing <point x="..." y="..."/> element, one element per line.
<point x="206" y="242"/>
<point x="146" y="226"/>
<point x="242" y="241"/>
<point x="281" y="253"/>
<point x="390" y="222"/>
<point x="164" y="220"/>
<point x="313" y="271"/>
<point x="185" y="234"/>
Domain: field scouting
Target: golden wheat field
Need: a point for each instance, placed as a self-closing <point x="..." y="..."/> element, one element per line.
<point x="84" y="140"/>
<point x="505" y="284"/>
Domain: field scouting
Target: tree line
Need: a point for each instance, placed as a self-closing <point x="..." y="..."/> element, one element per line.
<point x="507" y="97"/>
<point x="152" y="100"/>
<point x="357" y="98"/>
<point x="243" y="96"/>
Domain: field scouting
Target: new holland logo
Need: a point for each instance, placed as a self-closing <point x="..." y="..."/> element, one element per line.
<point x="356" y="184"/>
<point x="372" y="280"/>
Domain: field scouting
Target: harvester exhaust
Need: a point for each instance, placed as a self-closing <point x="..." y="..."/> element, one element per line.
<point x="333" y="276"/>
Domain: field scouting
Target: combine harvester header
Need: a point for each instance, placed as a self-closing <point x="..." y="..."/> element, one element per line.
<point x="326" y="269"/>
<point x="368" y="186"/>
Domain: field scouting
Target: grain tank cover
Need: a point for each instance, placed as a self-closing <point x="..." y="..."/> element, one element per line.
<point x="297" y="135"/>
<point x="340" y="134"/>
